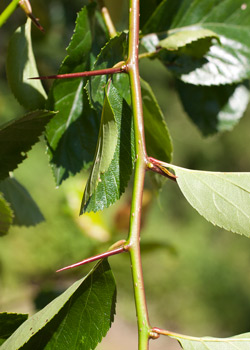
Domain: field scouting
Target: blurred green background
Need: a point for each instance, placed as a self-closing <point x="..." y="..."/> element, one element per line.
<point x="196" y="275"/>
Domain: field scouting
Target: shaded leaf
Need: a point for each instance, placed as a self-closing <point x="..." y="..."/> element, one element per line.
<point x="113" y="182"/>
<point x="158" y="141"/>
<point x="222" y="198"/>
<point x="6" y="216"/>
<point x="21" y="66"/>
<point x="218" y="108"/>
<point x="239" y="342"/>
<point x="185" y="37"/>
<point x="18" y="136"/>
<point x="79" y="318"/>
<point x="9" y="322"/>
<point x="25" y="210"/>
<point x="72" y="134"/>
<point x="112" y="53"/>
<point x="150" y="246"/>
<point x="106" y="144"/>
<point x="227" y="60"/>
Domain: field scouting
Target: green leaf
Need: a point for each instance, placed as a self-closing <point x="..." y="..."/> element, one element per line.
<point x="222" y="198"/>
<point x="9" y="322"/>
<point x="72" y="134"/>
<point x="227" y="60"/>
<point x="79" y="318"/>
<point x="239" y="342"/>
<point x="106" y="144"/>
<point x="21" y="66"/>
<point x="18" y="136"/>
<point x="112" y="53"/>
<point x="158" y="141"/>
<point x="6" y="216"/>
<point x="220" y="107"/>
<point x="26" y="211"/>
<point x="185" y="37"/>
<point x="113" y="182"/>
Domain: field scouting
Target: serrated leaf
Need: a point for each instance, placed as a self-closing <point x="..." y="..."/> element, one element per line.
<point x="238" y="342"/>
<point x="158" y="141"/>
<point x="9" y="322"/>
<point x="18" y="136"/>
<point x="113" y="182"/>
<point x="6" y="216"/>
<point x="222" y="198"/>
<point x="21" y="66"/>
<point x="220" y="107"/>
<point x="79" y="318"/>
<point x="106" y="144"/>
<point x="25" y="210"/>
<point x="72" y="135"/>
<point x="185" y="37"/>
<point x="227" y="60"/>
<point x="113" y="52"/>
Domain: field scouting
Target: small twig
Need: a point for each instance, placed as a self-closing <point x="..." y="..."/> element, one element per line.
<point x="26" y="7"/>
<point x="95" y="257"/>
<point x="157" y="166"/>
<point x="107" y="19"/>
<point x="91" y="73"/>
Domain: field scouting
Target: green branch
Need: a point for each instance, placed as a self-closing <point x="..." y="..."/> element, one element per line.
<point x="140" y="166"/>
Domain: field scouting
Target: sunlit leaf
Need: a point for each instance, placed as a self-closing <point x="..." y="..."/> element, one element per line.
<point x="72" y="134"/>
<point x="25" y="210"/>
<point x="239" y="342"/>
<point x="226" y="61"/>
<point x="185" y="37"/>
<point x="21" y="66"/>
<point x="9" y="322"/>
<point x="6" y="216"/>
<point x="222" y="198"/>
<point x="79" y="318"/>
<point x="18" y="136"/>
<point x="219" y="108"/>
<point x="113" y="182"/>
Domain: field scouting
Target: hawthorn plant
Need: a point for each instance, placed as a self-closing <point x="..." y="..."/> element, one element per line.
<point x="100" y="115"/>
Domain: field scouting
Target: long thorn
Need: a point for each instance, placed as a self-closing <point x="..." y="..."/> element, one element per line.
<point x="96" y="257"/>
<point x="105" y="71"/>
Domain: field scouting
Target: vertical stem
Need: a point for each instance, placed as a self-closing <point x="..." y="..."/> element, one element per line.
<point x="140" y="165"/>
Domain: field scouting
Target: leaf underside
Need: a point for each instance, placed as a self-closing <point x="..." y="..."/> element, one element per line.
<point x="239" y="342"/>
<point x="79" y="318"/>
<point x="222" y="198"/>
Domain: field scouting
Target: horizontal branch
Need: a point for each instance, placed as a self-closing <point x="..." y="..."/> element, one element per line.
<point x="95" y="257"/>
<point x="91" y="73"/>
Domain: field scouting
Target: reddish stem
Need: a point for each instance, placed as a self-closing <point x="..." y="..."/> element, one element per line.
<point x="105" y="71"/>
<point x="96" y="257"/>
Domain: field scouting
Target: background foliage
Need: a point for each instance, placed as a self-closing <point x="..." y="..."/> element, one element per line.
<point x="29" y="257"/>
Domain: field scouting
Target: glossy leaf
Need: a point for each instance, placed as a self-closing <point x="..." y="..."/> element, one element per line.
<point x="18" y="136"/>
<point x="185" y="37"/>
<point x="79" y="318"/>
<point x="218" y="108"/>
<point x="21" y="66"/>
<point x="9" y="322"/>
<point x="158" y="141"/>
<point x="72" y="134"/>
<point x="222" y="198"/>
<point x="113" y="182"/>
<point x="227" y="59"/>
<point x="6" y="216"/>
<point x="239" y="342"/>
<point x="25" y="210"/>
